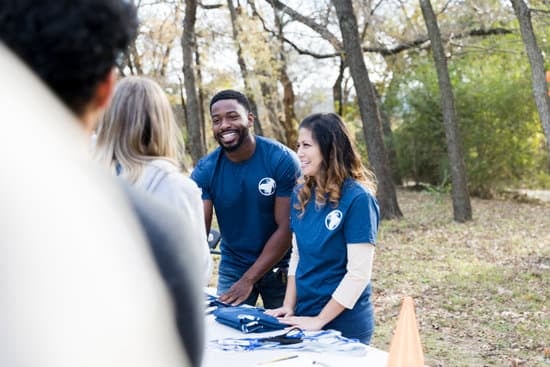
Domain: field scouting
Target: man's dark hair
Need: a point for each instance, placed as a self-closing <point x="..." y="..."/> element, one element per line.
<point x="231" y="94"/>
<point x="70" y="44"/>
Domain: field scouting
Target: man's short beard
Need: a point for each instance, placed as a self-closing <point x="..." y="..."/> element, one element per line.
<point x="236" y="146"/>
<point x="232" y="148"/>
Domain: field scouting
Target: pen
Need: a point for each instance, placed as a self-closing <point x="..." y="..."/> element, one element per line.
<point x="278" y="359"/>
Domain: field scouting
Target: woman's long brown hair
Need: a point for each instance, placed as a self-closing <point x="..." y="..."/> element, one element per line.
<point x="340" y="162"/>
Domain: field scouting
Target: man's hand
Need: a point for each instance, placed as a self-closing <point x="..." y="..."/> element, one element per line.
<point x="238" y="292"/>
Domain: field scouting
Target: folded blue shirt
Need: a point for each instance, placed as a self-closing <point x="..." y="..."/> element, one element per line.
<point x="247" y="319"/>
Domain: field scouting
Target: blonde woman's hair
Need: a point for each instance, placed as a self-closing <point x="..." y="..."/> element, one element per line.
<point x="137" y="127"/>
<point x="340" y="162"/>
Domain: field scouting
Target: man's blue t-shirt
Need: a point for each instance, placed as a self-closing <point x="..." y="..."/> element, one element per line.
<point x="322" y="235"/>
<point x="243" y="195"/>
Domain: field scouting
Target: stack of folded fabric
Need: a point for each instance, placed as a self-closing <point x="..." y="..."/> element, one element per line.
<point x="247" y="319"/>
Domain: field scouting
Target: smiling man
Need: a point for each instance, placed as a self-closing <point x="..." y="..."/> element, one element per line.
<point x="247" y="180"/>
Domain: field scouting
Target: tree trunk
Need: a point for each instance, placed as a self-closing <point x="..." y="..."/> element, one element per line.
<point x="289" y="122"/>
<point x="270" y="102"/>
<point x="242" y="65"/>
<point x="183" y="106"/>
<point x="462" y="209"/>
<point x="164" y="61"/>
<point x="389" y="143"/>
<point x="368" y="108"/>
<point x="201" y="97"/>
<point x="538" y="79"/>
<point x="337" y="94"/>
<point x="192" y="117"/>
<point x="135" y="60"/>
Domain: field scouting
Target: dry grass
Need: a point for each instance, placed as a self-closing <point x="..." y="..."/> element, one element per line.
<point x="481" y="288"/>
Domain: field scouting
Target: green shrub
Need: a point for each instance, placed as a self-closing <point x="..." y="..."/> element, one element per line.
<point x="502" y="137"/>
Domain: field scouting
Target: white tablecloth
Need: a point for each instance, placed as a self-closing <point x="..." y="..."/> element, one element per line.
<point x="214" y="357"/>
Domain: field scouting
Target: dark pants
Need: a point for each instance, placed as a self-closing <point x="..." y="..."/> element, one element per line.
<point x="271" y="287"/>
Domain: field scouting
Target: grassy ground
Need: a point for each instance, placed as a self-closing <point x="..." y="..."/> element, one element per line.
<point x="481" y="289"/>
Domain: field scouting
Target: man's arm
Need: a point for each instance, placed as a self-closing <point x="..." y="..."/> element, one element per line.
<point x="274" y="250"/>
<point x="208" y="210"/>
<point x="289" y="303"/>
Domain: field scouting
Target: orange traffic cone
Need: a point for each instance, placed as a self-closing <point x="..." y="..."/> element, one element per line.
<point x="405" y="347"/>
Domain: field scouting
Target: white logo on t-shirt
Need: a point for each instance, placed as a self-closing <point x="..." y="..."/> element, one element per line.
<point x="333" y="219"/>
<point x="267" y="186"/>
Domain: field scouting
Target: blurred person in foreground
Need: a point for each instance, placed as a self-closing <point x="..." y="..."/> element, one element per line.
<point x="73" y="46"/>
<point x="139" y="140"/>
<point x="248" y="180"/>
<point x="334" y="219"/>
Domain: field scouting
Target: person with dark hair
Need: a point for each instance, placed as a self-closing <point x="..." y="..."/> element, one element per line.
<point x="334" y="219"/>
<point x="248" y="180"/>
<point x="73" y="47"/>
<point x="231" y="94"/>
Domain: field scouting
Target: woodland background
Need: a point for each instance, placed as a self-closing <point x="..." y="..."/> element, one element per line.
<point x="449" y="97"/>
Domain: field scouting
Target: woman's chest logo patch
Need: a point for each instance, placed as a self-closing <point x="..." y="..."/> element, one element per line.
<point x="267" y="186"/>
<point x="333" y="219"/>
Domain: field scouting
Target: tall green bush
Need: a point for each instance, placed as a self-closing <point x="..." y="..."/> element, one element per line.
<point x="502" y="137"/>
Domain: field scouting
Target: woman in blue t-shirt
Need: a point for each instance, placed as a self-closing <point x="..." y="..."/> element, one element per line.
<point x="334" y="219"/>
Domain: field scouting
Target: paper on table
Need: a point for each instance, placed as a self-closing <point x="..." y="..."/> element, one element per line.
<point x="292" y="361"/>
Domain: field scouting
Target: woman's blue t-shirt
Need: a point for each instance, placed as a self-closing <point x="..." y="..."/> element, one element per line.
<point x="322" y="236"/>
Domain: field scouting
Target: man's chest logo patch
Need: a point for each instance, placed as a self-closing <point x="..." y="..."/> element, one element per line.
<point x="267" y="186"/>
<point x="333" y="219"/>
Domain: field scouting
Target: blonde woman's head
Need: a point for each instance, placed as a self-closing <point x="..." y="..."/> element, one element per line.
<point x="138" y="126"/>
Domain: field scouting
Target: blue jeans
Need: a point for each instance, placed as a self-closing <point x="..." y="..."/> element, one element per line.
<point x="360" y="329"/>
<point x="271" y="287"/>
<point x="357" y="323"/>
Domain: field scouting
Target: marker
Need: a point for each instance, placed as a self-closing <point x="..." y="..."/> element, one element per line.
<point x="279" y="359"/>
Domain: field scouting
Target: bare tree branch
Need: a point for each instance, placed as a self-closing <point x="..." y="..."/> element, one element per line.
<point x="310" y="53"/>
<point x="286" y="40"/>
<point x="444" y="8"/>
<point x="384" y="51"/>
<point x="545" y="11"/>
<point x="323" y="31"/>
<point x="209" y="6"/>
<point x="363" y="33"/>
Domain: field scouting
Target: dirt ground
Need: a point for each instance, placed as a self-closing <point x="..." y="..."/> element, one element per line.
<point x="481" y="288"/>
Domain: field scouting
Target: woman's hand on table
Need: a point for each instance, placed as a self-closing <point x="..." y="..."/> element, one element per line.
<point x="312" y="323"/>
<point x="304" y="322"/>
<point x="280" y="312"/>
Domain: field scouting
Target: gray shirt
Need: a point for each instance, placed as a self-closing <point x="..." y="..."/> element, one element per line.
<point x="162" y="179"/>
